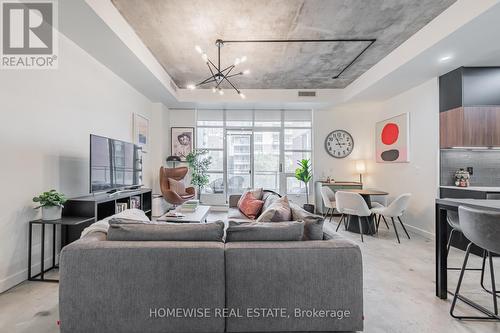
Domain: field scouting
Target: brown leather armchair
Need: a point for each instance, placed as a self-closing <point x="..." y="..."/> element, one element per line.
<point x="169" y="195"/>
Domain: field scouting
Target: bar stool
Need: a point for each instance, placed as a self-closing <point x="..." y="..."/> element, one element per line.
<point x="454" y="222"/>
<point x="482" y="228"/>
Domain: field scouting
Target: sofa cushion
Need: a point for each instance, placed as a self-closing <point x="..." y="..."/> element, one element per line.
<point x="250" y="206"/>
<point x="177" y="187"/>
<point x="294" y="275"/>
<point x="130" y="230"/>
<point x="313" y="224"/>
<point x="264" y="231"/>
<point x="278" y="211"/>
<point x="234" y="214"/>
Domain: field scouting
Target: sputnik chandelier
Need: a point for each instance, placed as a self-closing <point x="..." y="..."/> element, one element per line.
<point x="219" y="74"/>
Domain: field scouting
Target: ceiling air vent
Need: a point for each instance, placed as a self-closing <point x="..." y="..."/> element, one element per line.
<point x="307" y="94"/>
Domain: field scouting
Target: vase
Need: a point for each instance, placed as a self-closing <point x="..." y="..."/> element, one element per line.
<point x="50" y="213"/>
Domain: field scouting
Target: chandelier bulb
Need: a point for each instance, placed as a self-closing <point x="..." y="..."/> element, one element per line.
<point x="243" y="59"/>
<point x="214" y="90"/>
<point x="221" y="92"/>
<point x="237" y="61"/>
<point x="246" y="72"/>
<point x="198" y="49"/>
<point x="242" y="95"/>
<point x="191" y="86"/>
<point x="204" y="56"/>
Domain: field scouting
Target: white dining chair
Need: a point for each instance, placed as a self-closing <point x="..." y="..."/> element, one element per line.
<point x="394" y="210"/>
<point x="379" y="201"/>
<point x="340" y="209"/>
<point x="354" y="204"/>
<point x="328" y="197"/>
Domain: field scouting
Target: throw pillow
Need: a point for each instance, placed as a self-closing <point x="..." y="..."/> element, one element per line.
<point x="313" y="224"/>
<point x="177" y="186"/>
<point x="257" y="193"/>
<point x="278" y="211"/>
<point x="263" y="231"/>
<point x="128" y="230"/>
<point x="250" y="206"/>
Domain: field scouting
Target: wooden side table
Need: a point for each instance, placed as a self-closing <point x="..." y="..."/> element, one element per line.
<point x="65" y="222"/>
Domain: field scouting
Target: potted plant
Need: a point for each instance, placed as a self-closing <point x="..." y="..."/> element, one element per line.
<point x="304" y="174"/>
<point x="51" y="203"/>
<point x="199" y="163"/>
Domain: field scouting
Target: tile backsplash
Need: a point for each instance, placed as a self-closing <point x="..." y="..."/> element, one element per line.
<point x="486" y="166"/>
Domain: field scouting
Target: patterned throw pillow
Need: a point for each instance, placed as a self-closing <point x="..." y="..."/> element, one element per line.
<point x="177" y="186"/>
<point x="278" y="211"/>
<point x="250" y="206"/>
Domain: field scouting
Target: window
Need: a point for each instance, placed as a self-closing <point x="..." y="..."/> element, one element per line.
<point x="255" y="148"/>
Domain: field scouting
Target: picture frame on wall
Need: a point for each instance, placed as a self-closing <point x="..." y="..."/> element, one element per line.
<point x="392" y="141"/>
<point x="141" y="131"/>
<point x="182" y="141"/>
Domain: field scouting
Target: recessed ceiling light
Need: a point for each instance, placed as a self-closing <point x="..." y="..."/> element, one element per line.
<point x="445" y="58"/>
<point x="191" y="86"/>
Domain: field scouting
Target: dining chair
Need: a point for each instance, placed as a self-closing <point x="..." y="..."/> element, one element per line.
<point x="394" y="210"/>
<point x="354" y="204"/>
<point x="340" y="208"/>
<point x="481" y="228"/>
<point x="378" y="200"/>
<point x="328" y="197"/>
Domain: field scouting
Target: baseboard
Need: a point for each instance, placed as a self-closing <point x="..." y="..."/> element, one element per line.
<point x="19" y="277"/>
<point x="421" y="232"/>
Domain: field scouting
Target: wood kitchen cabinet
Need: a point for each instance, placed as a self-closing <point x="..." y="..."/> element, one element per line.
<point x="470" y="126"/>
<point x="451" y="128"/>
<point x="469" y="107"/>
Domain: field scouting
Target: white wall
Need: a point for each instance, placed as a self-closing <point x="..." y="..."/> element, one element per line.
<point x="160" y="146"/>
<point x="419" y="176"/>
<point x="47" y="116"/>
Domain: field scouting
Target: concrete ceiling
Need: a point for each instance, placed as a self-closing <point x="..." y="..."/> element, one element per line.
<point x="171" y="29"/>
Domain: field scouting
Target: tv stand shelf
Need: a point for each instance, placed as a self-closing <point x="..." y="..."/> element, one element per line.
<point x="96" y="207"/>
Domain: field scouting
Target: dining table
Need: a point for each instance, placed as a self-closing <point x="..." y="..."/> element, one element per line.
<point x="442" y="233"/>
<point x="369" y="228"/>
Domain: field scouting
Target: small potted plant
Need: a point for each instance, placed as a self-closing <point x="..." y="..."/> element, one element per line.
<point x="51" y="203"/>
<point x="304" y="174"/>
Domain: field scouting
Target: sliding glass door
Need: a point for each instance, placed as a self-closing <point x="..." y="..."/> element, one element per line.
<point x="253" y="148"/>
<point x="238" y="161"/>
<point x="267" y="159"/>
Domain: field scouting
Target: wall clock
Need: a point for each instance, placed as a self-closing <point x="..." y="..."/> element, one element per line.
<point x="339" y="143"/>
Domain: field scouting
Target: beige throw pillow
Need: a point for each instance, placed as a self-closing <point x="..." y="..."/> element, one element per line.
<point x="278" y="211"/>
<point x="177" y="186"/>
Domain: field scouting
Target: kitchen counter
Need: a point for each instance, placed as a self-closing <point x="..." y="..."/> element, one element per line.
<point x="489" y="189"/>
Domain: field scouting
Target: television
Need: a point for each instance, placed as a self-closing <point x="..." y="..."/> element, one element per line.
<point x="114" y="165"/>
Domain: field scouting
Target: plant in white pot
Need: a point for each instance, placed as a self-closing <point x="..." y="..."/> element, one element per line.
<point x="51" y="203"/>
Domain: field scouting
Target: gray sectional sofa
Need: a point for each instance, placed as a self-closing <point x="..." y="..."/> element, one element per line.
<point x="209" y="286"/>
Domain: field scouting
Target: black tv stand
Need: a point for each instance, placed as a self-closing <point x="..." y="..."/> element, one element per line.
<point x="99" y="206"/>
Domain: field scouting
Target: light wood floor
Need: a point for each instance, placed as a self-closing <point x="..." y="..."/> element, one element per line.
<point x="398" y="291"/>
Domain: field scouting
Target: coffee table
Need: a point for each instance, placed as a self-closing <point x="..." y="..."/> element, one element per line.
<point x="198" y="216"/>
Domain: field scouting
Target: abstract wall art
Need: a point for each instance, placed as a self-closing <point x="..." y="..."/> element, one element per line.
<point x="392" y="142"/>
